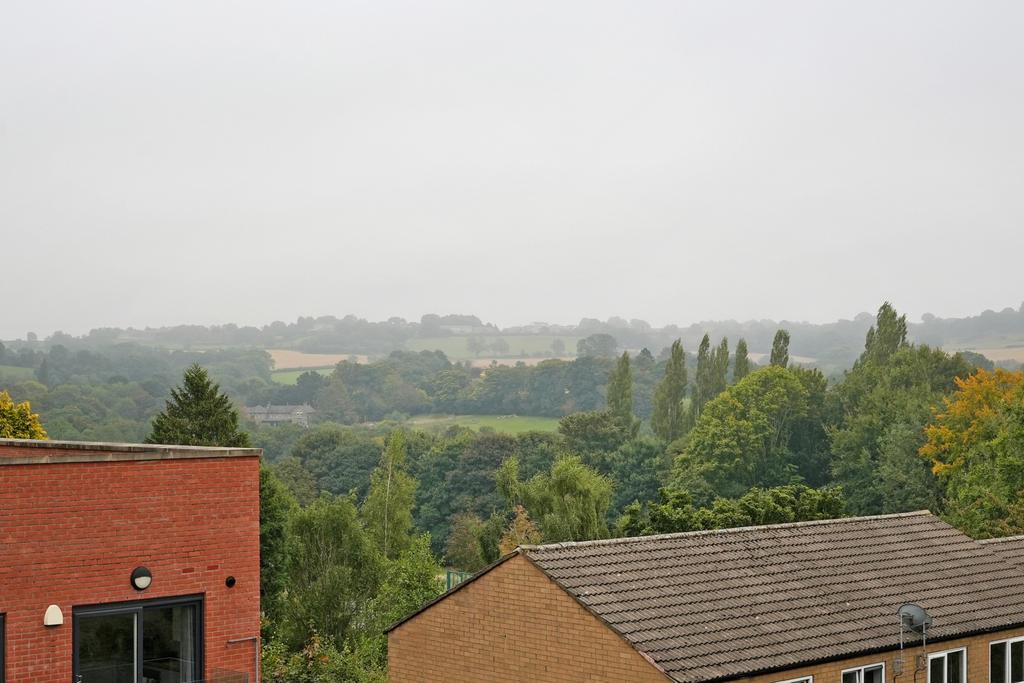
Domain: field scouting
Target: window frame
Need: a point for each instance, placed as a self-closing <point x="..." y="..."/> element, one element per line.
<point x="3" y="648"/>
<point x="1007" y="642"/>
<point x="809" y="678"/>
<point x="136" y="607"/>
<point x="944" y="654"/>
<point x="861" y="669"/>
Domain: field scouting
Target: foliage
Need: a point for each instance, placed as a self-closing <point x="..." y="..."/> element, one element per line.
<point x="197" y="414"/>
<point x="406" y="583"/>
<point x="780" y="349"/>
<point x="387" y="511"/>
<point x="298" y="480"/>
<point x="276" y="506"/>
<point x="880" y="411"/>
<point x="668" y="417"/>
<point x="638" y="468"/>
<point x="597" y="345"/>
<point x="676" y="512"/>
<point x="976" y="445"/>
<point x="595" y="434"/>
<point x="333" y="572"/>
<point x="620" y="393"/>
<point x="17" y="421"/>
<point x="464" y="550"/>
<point x="741" y="363"/>
<point x="569" y="503"/>
<point x="743" y="438"/>
<point x="521" y="531"/>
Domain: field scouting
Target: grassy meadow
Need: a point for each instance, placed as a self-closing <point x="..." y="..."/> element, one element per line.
<point x="509" y="424"/>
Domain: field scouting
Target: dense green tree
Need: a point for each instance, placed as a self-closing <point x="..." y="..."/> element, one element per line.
<point x="742" y="439"/>
<point x="887" y="336"/>
<point x="597" y="346"/>
<point x="297" y="479"/>
<point x="569" y="503"/>
<point x="333" y="572"/>
<point x="782" y="504"/>
<point x="197" y="414"/>
<point x="388" y="509"/>
<point x="976" y="446"/>
<point x="407" y="583"/>
<point x="339" y="458"/>
<point x="276" y="506"/>
<point x="780" y="349"/>
<point x="17" y="421"/>
<point x="595" y="434"/>
<point x="638" y="468"/>
<point x="702" y="386"/>
<point x="882" y="407"/>
<point x="719" y="370"/>
<point x="464" y="550"/>
<point x="741" y="363"/>
<point x="668" y="419"/>
<point x="620" y="392"/>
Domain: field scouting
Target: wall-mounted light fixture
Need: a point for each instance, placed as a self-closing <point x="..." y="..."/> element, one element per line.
<point x="53" y="616"/>
<point x="141" y="578"/>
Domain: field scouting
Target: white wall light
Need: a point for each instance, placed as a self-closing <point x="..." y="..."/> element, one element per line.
<point x="141" y="578"/>
<point x="53" y="616"/>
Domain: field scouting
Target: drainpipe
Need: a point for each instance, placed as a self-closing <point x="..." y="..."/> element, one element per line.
<point x="256" y="645"/>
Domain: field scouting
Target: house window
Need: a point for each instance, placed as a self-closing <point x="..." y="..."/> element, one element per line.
<point x="1006" y="661"/>
<point x="948" y="667"/>
<point x="873" y="673"/>
<point x="3" y="646"/>
<point x="152" y="641"/>
<point x="805" y="679"/>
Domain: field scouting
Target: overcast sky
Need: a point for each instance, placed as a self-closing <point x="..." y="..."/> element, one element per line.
<point x="208" y="162"/>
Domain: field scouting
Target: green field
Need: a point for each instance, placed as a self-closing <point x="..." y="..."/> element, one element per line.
<point x="509" y="424"/>
<point x="528" y="345"/>
<point x="292" y="376"/>
<point x="13" y="373"/>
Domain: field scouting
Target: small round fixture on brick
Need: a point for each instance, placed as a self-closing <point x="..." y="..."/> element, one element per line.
<point x="141" y="578"/>
<point x="229" y="582"/>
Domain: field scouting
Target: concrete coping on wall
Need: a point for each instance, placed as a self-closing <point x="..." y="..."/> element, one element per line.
<point x="40" y="452"/>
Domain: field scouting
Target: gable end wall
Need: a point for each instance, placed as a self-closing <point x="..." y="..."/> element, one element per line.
<point x="512" y="624"/>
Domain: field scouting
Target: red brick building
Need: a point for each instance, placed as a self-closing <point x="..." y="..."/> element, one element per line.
<point x="124" y="563"/>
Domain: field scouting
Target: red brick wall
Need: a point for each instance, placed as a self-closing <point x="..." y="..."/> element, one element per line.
<point x="512" y="624"/>
<point x="71" y="533"/>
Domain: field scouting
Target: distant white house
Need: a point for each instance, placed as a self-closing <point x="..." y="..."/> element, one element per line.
<point x="275" y="415"/>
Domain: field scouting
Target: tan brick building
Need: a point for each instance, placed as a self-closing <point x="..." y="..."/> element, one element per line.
<point x="813" y="602"/>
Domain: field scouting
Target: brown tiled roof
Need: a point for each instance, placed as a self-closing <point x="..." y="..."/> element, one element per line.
<point x="717" y="605"/>
<point x="1010" y="548"/>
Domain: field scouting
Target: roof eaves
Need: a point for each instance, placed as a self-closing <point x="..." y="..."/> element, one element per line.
<point x="709" y="532"/>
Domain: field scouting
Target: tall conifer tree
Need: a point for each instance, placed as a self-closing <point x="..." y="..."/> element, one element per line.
<point x="780" y="349"/>
<point x="197" y="414"/>
<point x="668" y="415"/>
<point x="741" y="364"/>
<point x="620" y="391"/>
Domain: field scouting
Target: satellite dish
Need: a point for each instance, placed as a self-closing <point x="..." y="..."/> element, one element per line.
<point x="914" y="618"/>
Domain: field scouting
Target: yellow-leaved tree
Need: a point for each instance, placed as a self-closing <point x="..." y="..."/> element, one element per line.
<point x="17" y="421"/>
<point x="976" y="446"/>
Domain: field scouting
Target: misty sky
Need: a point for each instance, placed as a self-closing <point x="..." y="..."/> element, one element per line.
<point x="206" y="162"/>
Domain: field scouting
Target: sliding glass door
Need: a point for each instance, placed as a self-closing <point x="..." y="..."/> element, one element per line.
<point x="150" y="642"/>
